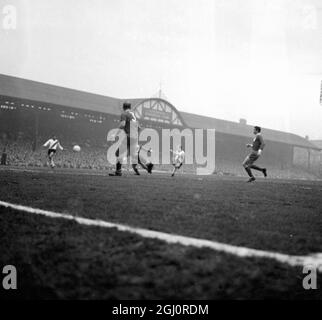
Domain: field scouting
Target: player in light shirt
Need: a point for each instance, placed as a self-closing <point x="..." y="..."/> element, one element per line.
<point x="179" y="156"/>
<point x="52" y="145"/>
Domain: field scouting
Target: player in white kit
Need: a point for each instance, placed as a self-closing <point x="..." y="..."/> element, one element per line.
<point x="178" y="159"/>
<point x="52" y="145"/>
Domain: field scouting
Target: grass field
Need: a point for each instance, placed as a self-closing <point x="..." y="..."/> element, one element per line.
<point x="56" y="258"/>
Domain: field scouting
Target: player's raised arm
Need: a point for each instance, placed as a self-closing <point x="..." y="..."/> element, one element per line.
<point x="46" y="144"/>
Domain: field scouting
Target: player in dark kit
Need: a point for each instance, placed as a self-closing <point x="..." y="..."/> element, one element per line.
<point x="130" y="126"/>
<point x="257" y="148"/>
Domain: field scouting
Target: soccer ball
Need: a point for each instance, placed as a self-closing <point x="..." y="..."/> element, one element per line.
<point x="77" y="148"/>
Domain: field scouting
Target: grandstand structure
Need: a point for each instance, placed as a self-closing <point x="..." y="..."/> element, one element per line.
<point x="32" y="111"/>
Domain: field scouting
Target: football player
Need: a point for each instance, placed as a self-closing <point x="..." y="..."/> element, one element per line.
<point x="145" y="164"/>
<point x="130" y="125"/>
<point x="52" y="145"/>
<point x="179" y="156"/>
<point x="257" y="149"/>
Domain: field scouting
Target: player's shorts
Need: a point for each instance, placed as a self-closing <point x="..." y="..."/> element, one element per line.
<point x="51" y="152"/>
<point x="178" y="165"/>
<point x="250" y="159"/>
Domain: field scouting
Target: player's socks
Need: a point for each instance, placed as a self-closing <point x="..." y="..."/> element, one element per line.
<point x="134" y="166"/>
<point x="149" y="167"/>
<point x="249" y="172"/>
<point x="118" y="170"/>
<point x="265" y="172"/>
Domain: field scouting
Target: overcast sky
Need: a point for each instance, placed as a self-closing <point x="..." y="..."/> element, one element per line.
<point x="255" y="59"/>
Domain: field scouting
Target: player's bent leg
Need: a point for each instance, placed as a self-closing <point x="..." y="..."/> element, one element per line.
<point x="256" y="168"/>
<point x="141" y="163"/>
<point x="247" y="165"/>
<point x="118" y="166"/>
<point x="177" y="166"/>
<point x="134" y="155"/>
<point x="120" y="155"/>
<point x="250" y="174"/>
<point x="51" y="160"/>
<point x="147" y="165"/>
<point x="135" y="169"/>
<point x="265" y="172"/>
<point x="119" y="162"/>
<point x="118" y="170"/>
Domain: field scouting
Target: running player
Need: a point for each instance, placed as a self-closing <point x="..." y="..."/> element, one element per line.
<point x="130" y="125"/>
<point x="257" y="148"/>
<point x="179" y="156"/>
<point x="52" y="145"/>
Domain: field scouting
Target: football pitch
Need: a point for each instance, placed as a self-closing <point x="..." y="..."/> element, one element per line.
<point x="58" y="257"/>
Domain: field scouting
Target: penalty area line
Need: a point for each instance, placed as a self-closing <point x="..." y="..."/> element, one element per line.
<point x="314" y="260"/>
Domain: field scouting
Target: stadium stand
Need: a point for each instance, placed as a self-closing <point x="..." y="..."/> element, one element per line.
<point x="30" y="112"/>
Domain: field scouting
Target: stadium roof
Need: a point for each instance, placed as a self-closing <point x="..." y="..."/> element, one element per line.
<point x="317" y="143"/>
<point x="46" y="93"/>
<point x="235" y="128"/>
<point x="55" y="95"/>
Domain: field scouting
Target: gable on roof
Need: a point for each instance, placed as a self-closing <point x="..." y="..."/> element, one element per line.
<point x="157" y="110"/>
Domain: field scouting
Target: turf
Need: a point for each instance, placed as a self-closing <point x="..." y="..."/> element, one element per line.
<point x="63" y="260"/>
<point x="60" y="259"/>
<point x="283" y="216"/>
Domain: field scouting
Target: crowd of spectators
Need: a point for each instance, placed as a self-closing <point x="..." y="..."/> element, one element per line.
<point x="24" y="154"/>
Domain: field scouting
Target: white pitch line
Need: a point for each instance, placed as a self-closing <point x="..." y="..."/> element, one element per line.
<point x="314" y="260"/>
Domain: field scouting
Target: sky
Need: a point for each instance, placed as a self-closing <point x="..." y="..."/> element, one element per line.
<point x="230" y="59"/>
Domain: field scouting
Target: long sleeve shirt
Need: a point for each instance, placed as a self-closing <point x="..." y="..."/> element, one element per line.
<point x="53" y="144"/>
